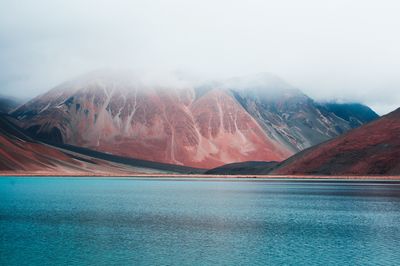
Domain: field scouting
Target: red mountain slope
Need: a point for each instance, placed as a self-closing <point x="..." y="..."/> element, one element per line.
<point x="21" y="154"/>
<point x="123" y="117"/>
<point x="255" y="118"/>
<point x="373" y="149"/>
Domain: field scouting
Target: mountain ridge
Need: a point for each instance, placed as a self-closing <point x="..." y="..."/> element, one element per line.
<point x="372" y="149"/>
<point x="22" y="153"/>
<point x="205" y="126"/>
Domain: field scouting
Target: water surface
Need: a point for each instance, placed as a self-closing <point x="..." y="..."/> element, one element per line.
<point x="66" y="221"/>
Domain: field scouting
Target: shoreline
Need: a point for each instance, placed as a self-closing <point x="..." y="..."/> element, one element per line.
<point x="200" y="176"/>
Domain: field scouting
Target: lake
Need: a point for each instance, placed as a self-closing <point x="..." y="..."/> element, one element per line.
<point x="89" y="221"/>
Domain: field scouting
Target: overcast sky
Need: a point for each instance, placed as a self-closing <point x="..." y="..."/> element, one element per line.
<point x="339" y="49"/>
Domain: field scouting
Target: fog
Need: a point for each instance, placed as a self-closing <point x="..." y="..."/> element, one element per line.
<point x="331" y="50"/>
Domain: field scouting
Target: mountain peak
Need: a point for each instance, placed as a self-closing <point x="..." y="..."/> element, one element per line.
<point x="257" y="117"/>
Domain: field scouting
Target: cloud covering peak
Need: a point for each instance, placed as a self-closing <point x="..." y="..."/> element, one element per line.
<point x="329" y="49"/>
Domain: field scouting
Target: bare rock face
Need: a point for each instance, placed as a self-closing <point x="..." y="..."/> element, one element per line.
<point x="289" y="116"/>
<point x="228" y="133"/>
<point x="372" y="149"/>
<point x="175" y="122"/>
<point x="171" y="125"/>
<point x="20" y="154"/>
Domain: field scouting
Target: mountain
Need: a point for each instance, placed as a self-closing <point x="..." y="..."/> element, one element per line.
<point x="20" y="153"/>
<point x="243" y="168"/>
<point x="286" y="114"/>
<point x="256" y="118"/>
<point x="354" y="113"/>
<point x="120" y="115"/>
<point x="372" y="149"/>
<point x="7" y="104"/>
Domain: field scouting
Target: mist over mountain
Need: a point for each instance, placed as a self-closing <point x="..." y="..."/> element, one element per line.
<point x="354" y="113"/>
<point x="7" y="103"/>
<point x="329" y="50"/>
<point x="181" y="120"/>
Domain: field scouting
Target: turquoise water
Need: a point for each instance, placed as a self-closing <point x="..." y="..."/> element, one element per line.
<point x="197" y="222"/>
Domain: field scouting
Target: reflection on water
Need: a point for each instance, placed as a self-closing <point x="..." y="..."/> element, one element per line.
<point x="174" y="222"/>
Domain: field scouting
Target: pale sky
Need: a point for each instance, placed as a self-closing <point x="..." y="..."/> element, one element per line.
<point x="339" y="49"/>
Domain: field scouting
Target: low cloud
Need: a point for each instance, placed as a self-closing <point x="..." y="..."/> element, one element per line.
<point x="329" y="49"/>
